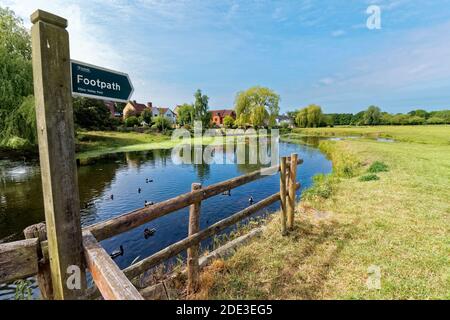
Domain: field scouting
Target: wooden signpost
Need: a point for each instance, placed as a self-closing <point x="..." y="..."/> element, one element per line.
<point x="56" y="79"/>
<point x="52" y="91"/>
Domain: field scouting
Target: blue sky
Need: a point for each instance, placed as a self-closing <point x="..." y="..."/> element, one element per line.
<point x="308" y="51"/>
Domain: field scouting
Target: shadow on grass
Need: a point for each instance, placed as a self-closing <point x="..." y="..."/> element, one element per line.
<point x="293" y="267"/>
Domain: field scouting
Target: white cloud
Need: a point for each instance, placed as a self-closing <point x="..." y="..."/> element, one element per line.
<point x="326" y="81"/>
<point x="87" y="39"/>
<point x="338" y="33"/>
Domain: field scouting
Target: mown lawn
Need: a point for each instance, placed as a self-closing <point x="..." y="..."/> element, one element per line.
<point x="345" y="227"/>
<point x="94" y="143"/>
<point x="416" y="134"/>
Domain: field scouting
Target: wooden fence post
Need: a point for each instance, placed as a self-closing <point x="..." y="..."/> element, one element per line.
<point x="292" y="190"/>
<point x="283" y="195"/>
<point x="54" y="114"/>
<point x="44" y="276"/>
<point x="192" y="252"/>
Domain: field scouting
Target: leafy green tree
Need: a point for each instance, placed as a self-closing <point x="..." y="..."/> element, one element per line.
<point x="358" y="119"/>
<point x="131" y="121"/>
<point x="372" y="116"/>
<point x="292" y="115"/>
<point x="185" y="114"/>
<point x="19" y="131"/>
<point x="249" y="105"/>
<point x="259" y="116"/>
<point x="416" y="120"/>
<point x="386" y="118"/>
<point x="13" y="35"/>
<point x="228" y="122"/>
<point x="310" y="117"/>
<point x="435" y="120"/>
<point x="340" y="119"/>
<point x="419" y="113"/>
<point x="91" y="114"/>
<point x="302" y="118"/>
<point x="146" y="116"/>
<point x="161" y="123"/>
<point x="201" y="109"/>
<point x="443" y="114"/>
<point x="16" y="80"/>
<point x="400" y="119"/>
<point x="315" y="116"/>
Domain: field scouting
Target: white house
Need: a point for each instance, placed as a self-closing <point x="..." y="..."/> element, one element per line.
<point x="283" y="119"/>
<point x="165" y="112"/>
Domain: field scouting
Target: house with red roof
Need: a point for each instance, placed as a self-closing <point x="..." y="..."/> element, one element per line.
<point x="134" y="108"/>
<point x="217" y="116"/>
<point x="111" y="106"/>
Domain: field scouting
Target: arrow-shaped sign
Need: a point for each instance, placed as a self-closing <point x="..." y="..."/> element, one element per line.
<point x="100" y="83"/>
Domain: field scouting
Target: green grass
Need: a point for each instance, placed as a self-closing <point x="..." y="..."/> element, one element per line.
<point x="92" y="144"/>
<point x="369" y="177"/>
<point x="416" y="134"/>
<point x="95" y="143"/>
<point x="399" y="223"/>
<point x="378" y="166"/>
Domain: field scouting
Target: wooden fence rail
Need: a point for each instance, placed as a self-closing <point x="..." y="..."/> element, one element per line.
<point x="20" y="259"/>
<point x="131" y="220"/>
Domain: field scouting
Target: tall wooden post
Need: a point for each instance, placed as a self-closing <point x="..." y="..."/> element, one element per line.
<point x="192" y="252"/>
<point x="283" y="195"/>
<point x="52" y="90"/>
<point x="292" y="190"/>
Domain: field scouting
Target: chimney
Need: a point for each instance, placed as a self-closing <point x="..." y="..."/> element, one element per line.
<point x="149" y="105"/>
<point x="134" y="101"/>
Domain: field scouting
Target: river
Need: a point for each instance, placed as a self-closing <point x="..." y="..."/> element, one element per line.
<point x="122" y="175"/>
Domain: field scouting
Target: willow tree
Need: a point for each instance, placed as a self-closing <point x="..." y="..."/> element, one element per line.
<point x="257" y="106"/>
<point x="201" y="109"/>
<point x="16" y="79"/>
<point x="372" y="116"/>
<point x="310" y="117"/>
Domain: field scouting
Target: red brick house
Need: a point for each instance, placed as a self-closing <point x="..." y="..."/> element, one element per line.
<point x="111" y="106"/>
<point x="217" y="116"/>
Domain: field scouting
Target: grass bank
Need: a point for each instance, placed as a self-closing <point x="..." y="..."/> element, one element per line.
<point x="95" y="143"/>
<point x="92" y="144"/>
<point x="414" y="134"/>
<point x="347" y="227"/>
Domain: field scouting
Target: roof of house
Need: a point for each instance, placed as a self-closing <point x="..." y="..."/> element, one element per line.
<point x="283" y="117"/>
<point x="222" y="113"/>
<point x="139" y="107"/>
<point x="111" y="106"/>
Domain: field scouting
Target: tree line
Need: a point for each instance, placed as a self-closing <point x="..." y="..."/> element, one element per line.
<point x="312" y="116"/>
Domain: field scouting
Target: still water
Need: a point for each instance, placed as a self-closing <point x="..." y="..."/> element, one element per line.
<point x="122" y="175"/>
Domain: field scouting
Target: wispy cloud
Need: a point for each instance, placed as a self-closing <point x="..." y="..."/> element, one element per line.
<point x="338" y="33"/>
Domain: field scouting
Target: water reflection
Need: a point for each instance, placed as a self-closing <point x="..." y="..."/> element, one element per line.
<point x="158" y="178"/>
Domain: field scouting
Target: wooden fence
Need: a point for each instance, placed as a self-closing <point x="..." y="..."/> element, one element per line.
<point x="29" y="257"/>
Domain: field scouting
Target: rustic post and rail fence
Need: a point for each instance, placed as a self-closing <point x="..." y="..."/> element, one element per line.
<point x="59" y="245"/>
<point x="28" y="257"/>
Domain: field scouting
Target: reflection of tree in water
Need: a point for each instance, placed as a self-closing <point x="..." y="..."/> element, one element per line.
<point x="21" y="202"/>
<point x="203" y="170"/>
<point x="21" y="191"/>
<point x="151" y="157"/>
<point x="251" y="153"/>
